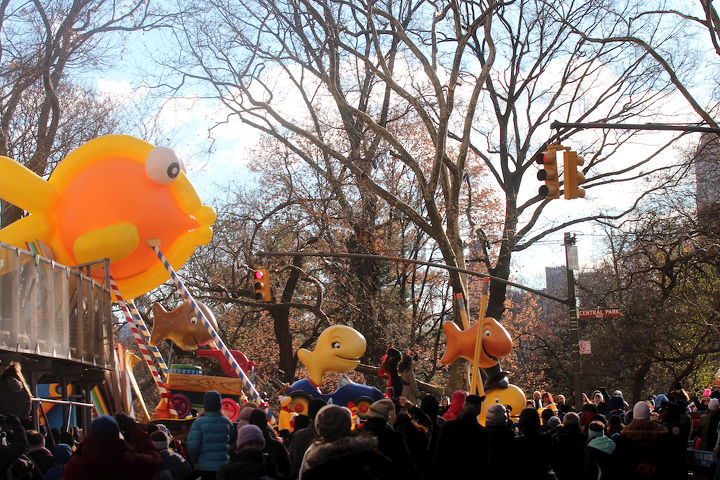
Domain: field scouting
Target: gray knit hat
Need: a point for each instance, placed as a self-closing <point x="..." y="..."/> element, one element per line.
<point x="495" y="416"/>
<point x="333" y="422"/>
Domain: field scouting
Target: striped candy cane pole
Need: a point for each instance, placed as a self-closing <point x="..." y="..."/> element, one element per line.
<point x="146" y="355"/>
<point x="186" y="293"/>
<point x="140" y="323"/>
<point x="146" y="334"/>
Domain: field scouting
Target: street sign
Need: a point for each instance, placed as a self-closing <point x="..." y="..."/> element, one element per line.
<point x="599" y="313"/>
<point x="585" y="348"/>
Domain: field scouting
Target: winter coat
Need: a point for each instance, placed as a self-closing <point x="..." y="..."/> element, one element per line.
<point x="299" y="443"/>
<point x="208" y="441"/>
<point x="247" y="464"/>
<point x="463" y="446"/>
<point x="534" y="450"/>
<point x="176" y="466"/>
<point x="568" y="445"/>
<point x="502" y="450"/>
<point x="616" y="405"/>
<point x="642" y="451"/>
<point x="347" y="458"/>
<point x="679" y="429"/>
<point x="417" y="439"/>
<point x="109" y="457"/>
<point x="599" y="462"/>
<point x="392" y="445"/>
<point x="277" y="451"/>
<point x="708" y="430"/>
<point x="409" y="386"/>
<point x="42" y="458"/>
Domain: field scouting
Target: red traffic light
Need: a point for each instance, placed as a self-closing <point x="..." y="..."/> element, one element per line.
<point x="258" y="274"/>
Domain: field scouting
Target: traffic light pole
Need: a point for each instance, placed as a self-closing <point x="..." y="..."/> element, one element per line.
<point x="570" y="262"/>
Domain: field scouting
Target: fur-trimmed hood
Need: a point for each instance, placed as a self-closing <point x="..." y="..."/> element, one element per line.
<point x="344" y="446"/>
<point x="644" y="431"/>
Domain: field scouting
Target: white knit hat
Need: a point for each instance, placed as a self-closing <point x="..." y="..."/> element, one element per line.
<point x="641" y="411"/>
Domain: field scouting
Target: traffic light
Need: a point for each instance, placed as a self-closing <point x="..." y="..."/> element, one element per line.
<point x="573" y="175"/>
<point x="262" y="284"/>
<point x="548" y="173"/>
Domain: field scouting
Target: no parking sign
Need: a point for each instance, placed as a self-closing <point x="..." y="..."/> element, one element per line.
<point x="585" y="348"/>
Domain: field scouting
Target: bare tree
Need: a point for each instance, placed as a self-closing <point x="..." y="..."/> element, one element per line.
<point x="484" y="79"/>
<point x="676" y="39"/>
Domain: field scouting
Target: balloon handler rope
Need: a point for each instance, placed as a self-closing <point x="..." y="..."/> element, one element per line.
<point x="165" y="408"/>
<point x="186" y="293"/>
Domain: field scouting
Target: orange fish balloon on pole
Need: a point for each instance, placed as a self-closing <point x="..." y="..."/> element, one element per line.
<point x="105" y="200"/>
<point x="496" y="343"/>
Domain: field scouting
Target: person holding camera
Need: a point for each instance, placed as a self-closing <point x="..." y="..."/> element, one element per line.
<point x="105" y="454"/>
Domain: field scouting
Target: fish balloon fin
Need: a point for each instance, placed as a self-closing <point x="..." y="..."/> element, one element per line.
<point x="24" y="188"/>
<point x="157" y="334"/>
<point x="452" y="351"/>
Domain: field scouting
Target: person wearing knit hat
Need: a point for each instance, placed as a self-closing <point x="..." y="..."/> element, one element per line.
<point x="244" y="416"/>
<point x="249" y="461"/>
<point x="463" y="444"/>
<point x="553" y="422"/>
<point x="568" y="447"/>
<point x="209" y="437"/>
<point x="456" y="403"/>
<point x="495" y="416"/>
<point x="599" y="462"/>
<point x="303" y="438"/>
<point x="104" y="454"/>
<point x="106" y="425"/>
<point x="250" y="436"/>
<point x="384" y="408"/>
<point x="380" y="424"/>
<point x="641" y="411"/>
<point x="275" y="448"/>
<point x="708" y="426"/>
<point x="61" y="454"/>
<point x="642" y="444"/>
<point x="174" y="465"/>
<point x="333" y="422"/>
<point x="502" y="441"/>
<point x="37" y="452"/>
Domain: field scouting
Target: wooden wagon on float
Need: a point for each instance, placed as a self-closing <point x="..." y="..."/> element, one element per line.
<point x="187" y="384"/>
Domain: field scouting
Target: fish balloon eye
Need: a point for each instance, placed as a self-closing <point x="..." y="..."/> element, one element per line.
<point x="487" y="333"/>
<point x="163" y="166"/>
<point x="336" y="345"/>
<point x="193" y="320"/>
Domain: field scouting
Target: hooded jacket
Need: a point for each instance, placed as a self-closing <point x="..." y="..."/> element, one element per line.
<point x="599" y="462"/>
<point x="208" y="441"/>
<point x="642" y="447"/>
<point x="355" y="456"/>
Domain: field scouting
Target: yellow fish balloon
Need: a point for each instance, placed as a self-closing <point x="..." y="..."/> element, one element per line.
<point x="338" y="349"/>
<point x="106" y="199"/>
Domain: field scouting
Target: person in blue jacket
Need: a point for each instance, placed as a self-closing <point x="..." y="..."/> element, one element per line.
<point x="209" y="437"/>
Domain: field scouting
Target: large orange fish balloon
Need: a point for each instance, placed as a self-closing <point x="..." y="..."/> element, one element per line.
<point x="106" y="200"/>
<point x="496" y="343"/>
